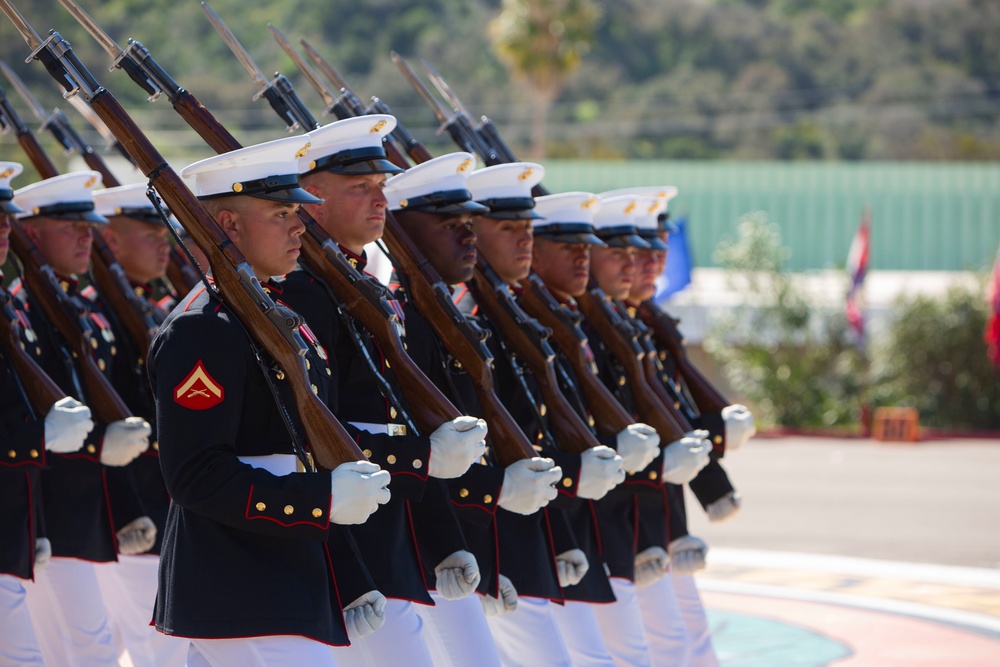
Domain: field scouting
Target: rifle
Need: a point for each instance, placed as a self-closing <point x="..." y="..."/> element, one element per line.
<point x="274" y="327"/>
<point x="610" y="417"/>
<point x="529" y="340"/>
<point x="135" y="314"/>
<point x="38" y="387"/>
<point x="620" y="341"/>
<point x="668" y="336"/>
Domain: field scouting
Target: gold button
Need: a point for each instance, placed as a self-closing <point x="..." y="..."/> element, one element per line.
<point x="367" y="453"/>
<point x="280" y="375"/>
<point x="621" y="381"/>
<point x="387" y="365"/>
<point x="156" y="446"/>
<point x="289" y="509"/>
<point x="652" y="474"/>
<point x="261" y="507"/>
<point x="328" y="371"/>
<point x="487" y="499"/>
<point x="542" y="410"/>
<point x="12" y="454"/>
<point x="114" y="350"/>
<point x="463" y="493"/>
<point x="317" y="512"/>
<point x="308" y="365"/>
<point x="392" y="412"/>
<point x="93" y="343"/>
<point x="390" y="459"/>
<point x="567" y="482"/>
<point x="418" y="464"/>
<point x="315" y="389"/>
<point x="677" y="405"/>
<point x="663" y="356"/>
<point x="717" y="439"/>
<point x="101" y="364"/>
<point x="91" y="449"/>
<point x="34" y="453"/>
<point x="590" y="420"/>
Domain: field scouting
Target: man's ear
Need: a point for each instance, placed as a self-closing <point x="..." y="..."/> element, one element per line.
<point x="228" y="220"/>
<point x="111" y="237"/>
<point x="31" y="231"/>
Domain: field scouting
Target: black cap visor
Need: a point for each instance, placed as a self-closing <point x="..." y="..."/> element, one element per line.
<point x="356" y="162"/>
<point x="568" y="232"/>
<point x="511" y="208"/>
<point x="444" y="202"/>
<point x="6" y="205"/>
<point x="622" y="236"/>
<point x="74" y="210"/>
<point x="652" y="237"/>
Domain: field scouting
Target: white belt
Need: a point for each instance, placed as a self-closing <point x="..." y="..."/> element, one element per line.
<point x="276" y="464"/>
<point x="387" y="429"/>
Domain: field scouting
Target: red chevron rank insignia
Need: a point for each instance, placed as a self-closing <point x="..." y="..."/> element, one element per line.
<point x="199" y="390"/>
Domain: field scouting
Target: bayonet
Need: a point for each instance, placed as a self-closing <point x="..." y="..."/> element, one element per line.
<point x="445" y="89"/>
<point x="278" y="91"/>
<point x="348" y="104"/>
<point x="307" y="71"/>
<point x="435" y="105"/>
<point x="55" y="122"/>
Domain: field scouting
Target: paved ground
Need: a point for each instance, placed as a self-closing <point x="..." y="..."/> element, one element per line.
<point x="858" y="554"/>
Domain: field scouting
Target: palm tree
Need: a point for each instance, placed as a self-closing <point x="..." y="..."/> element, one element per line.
<point x="541" y="42"/>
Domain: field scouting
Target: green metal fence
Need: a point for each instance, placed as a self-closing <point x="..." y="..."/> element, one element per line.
<point x="925" y="216"/>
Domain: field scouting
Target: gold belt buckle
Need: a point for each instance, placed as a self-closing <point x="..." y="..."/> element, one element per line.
<point x="395" y="429"/>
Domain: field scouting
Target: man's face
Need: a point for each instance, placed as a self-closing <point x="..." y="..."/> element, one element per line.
<point x="143" y="249"/>
<point x="649" y="266"/>
<point x="613" y="270"/>
<point x="64" y="244"/>
<point x="4" y="236"/>
<point x="266" y="232"/>
<point x="506" y="245"/>
<point x="563" y="267"/>
<point x="353" y="211"/>
<point x="447" y="241"/>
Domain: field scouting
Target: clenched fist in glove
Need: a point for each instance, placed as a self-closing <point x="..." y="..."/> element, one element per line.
<point x="357" y="489"/>
<point x="124" y="441"/>
<point x="687" y="554"/>
<point x="683" y="459"/>
<point x="529" y="485"/>
<point x="365" y="615"/>
<point x="505" y="603"/>
<point x="650" y="565"/>
<point x="724" y="508"/>
<point x="455" y="446"/>
<point x="600" y="471"/>
<point x="457" y="575"/>
<point x="638" y="445"/>
<point x="739" y="426"/>
<point x="43" y="552"/>
<point x="137" y="536"/>
<point x="571" y="566"/>
<point x="67" y="425"/>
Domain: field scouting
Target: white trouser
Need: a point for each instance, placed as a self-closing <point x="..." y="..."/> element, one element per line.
<point x="582" y="634"/>
<point x="273" y="651"/>
<point x="69" y="616"/>
<point x="457" y="633"/>
<point x="529" y="636"/>
<point x="621" y="626"/>
<point x="693" y="611"/>
<point x="18" y="645"/>
<point x="663" y="624"/>
<point x="399" y="642"/>
<point x="128" y="588"/>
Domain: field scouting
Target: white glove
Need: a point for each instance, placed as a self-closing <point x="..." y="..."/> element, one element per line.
<point x="637" y="444"/>
<point x="357" y="489"/>
<point x="600" y="471"/>
<point x="67" y="425"/>
<point x="687" y="554"/>
<point x="365" y="615"/>
<point x="529" y="485"/>
<point x="650" y="566"/>
<point x="457" y="575"/>
<point x="683" y="459"/>
<point x="739" y="426"/>
<point x="43" y="552"/>
<point x="724" y="508"/>
<point x="124" y="440"/>
<point x="506" y="603"/>
<point x="137" y="536"/>
<point x="455" y="446"/>
<point x="571" y="567"/>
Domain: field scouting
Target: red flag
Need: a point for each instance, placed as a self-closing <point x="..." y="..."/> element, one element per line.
<point x="857" y="267"/>
<point x="992" y="333"/>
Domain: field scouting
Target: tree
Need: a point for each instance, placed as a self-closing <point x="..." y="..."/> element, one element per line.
<point x="541" y="42"/>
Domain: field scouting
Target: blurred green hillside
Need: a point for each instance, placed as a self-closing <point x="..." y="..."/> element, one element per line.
<point x="664" y="79"/>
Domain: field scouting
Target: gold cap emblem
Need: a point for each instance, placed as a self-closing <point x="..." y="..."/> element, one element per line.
<point x="6" y="173"/>
<point x="91" y="182"/>
<point x="466" y="163"/>
<point x="302" y="151"/>
<point x="526" y="174"/>
<point x="590" y="202"/>
<point x="630" y="208"/>
<point x="654" y="207"/>
<point x="377" y="126"/>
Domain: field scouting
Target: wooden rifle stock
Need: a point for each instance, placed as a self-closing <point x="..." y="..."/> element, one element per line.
<point x="529" y="340"/>
<point x="204" y="123"/>
<point x="42" y="392"/>
<point x="599" y="313"/>
<point x="669" y="337"/>
<point x="610" y="416"/>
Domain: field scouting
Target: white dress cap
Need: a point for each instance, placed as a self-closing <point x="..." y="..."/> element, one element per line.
<point x="130" y="201"/>
<point x="436" y="186"/>
<point x="647" y="224"/>
<point x="567" y="217"/>
<point x="664" y="193"/>
<point x="8" y="172"/>
<point x="615" y="221"/>
<point x="67" y="196"/>
<point x="506" y="189"/>
<point x="350" y="146"/>
<point x="267" y="171"/>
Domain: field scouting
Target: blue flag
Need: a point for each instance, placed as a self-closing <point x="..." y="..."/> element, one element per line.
<point x="677" y="274"/>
